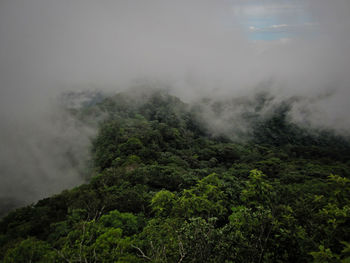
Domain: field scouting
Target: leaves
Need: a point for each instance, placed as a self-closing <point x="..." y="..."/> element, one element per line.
<point x="165" y="190"/>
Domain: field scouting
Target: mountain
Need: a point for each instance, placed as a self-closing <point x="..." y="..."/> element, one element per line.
<point x="165" y="187"/>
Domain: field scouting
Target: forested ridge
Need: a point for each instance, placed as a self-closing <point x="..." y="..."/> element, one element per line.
<point x="164" y="188"/>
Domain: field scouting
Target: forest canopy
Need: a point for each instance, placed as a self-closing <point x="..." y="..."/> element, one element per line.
<point x="163" y="187"/>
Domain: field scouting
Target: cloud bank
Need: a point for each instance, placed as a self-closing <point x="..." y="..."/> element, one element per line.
<point x="199" y="48"/>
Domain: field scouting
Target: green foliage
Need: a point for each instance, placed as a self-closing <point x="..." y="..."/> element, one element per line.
<point x="197" y="239"/>
<point x="324" y="255"/>
<point x="30" y="250"/>
<point x="165" y="190"/>
<point x="205" y="199"/>
<point x="129" y="223"/>
<point x="162" y="203"/>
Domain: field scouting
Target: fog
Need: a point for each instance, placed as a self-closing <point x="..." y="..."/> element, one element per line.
<point x="200" y="48"/>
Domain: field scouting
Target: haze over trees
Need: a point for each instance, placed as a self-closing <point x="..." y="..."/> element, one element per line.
<point x="163" y="188"/>
<point x="174" y="131"/>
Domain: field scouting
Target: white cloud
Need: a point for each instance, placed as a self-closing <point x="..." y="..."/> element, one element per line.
<point x="278" y="26"/>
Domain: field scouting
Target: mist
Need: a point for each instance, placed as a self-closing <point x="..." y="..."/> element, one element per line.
<point x="197" y="48"/>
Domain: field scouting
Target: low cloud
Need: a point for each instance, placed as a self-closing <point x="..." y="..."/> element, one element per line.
<point x="198" y="48"/>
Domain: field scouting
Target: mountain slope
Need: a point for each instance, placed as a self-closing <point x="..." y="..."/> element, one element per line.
<point x="165" y="189"/>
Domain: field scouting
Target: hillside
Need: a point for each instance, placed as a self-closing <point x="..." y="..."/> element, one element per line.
<point x="165" y="188"/>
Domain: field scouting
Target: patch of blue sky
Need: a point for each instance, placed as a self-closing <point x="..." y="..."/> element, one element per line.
<point x="269" y="36"/>
<point x="260" y="29"/>
<point x="273" y="20"/>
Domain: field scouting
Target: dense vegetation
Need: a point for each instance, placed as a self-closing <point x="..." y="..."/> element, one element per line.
<point x="164" y="190"/>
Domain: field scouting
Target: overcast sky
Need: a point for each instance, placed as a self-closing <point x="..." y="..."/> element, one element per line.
<point x="215" y="48"/>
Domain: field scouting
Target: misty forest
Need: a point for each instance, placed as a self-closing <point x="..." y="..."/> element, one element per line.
<point x="174" y="131"/>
